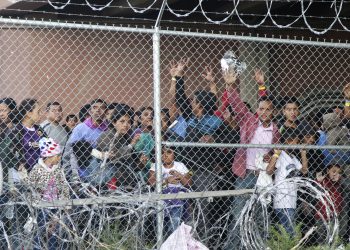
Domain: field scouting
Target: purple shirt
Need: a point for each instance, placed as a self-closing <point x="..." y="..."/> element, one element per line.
<point x="87" y="131"/>
<point x="31" y="150"/>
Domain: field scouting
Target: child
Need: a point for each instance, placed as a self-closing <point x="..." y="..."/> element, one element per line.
<point x="330" y="182"/>
<point x="284" y="164"/>
<point x="176" y="177"/>
<point x="48" y="183"/>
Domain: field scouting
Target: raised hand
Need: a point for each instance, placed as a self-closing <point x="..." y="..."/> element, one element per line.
<point x="178" y="68"/>
<point x="208" y="75"/>
<point x="346" y="91"/>
<point x="259" y="76"/>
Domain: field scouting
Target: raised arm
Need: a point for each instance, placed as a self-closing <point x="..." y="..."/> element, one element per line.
<point x="177" y="89"/>
<point x="209" y="77"/>
<point x="238" y="106"/>
<point x="259" y="77"/>
<point x="346" y="93"/>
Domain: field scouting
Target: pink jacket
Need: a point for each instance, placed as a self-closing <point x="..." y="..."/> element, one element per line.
<point x="248" y="123"/>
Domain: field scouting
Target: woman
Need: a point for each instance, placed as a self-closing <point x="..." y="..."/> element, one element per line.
<point x="111" y="158"/>
<point x="8" y="112"/>
<point x="27" y="133"/>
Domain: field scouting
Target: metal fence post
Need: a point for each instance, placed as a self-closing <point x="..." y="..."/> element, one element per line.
<point x="157" y="130"/>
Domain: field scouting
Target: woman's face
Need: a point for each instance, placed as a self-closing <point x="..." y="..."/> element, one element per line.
<point x="35" y="114"/>
<point x="147" y="118"/>
<point x="123" y="124"/>
<point x="4" y="113"/>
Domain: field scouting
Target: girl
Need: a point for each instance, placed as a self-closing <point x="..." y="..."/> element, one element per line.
<point x="145" y="144"/>
<point x="48" y="182"/>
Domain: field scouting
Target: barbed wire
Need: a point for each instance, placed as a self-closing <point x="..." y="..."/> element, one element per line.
<point x="236" y="12"/>
<point x="248" y="221"/>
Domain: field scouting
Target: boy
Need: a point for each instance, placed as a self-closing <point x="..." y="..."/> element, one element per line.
<point x="52" y="126"/>
<point x="176" y="178"/>
<point x="285" y="164"/>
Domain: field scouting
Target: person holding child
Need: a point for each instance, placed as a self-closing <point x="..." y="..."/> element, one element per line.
<point x="285" y="164"/>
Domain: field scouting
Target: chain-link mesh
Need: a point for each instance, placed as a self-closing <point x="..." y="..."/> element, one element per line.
<point x="93" y="183"/>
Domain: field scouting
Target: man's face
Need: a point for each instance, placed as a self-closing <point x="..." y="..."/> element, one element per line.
<point x="334" y="173"/>
<point x="265" y="111"/>
<point x="98" y="111"/>
<point x="291" y="112"/>
<point x="54" y="113"/>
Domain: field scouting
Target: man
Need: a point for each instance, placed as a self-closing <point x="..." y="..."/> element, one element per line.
<point x="52" y="126"/>
<point x="85" y="135"/>
<point x="290" y="106"/>
<point x="254" y="129"/>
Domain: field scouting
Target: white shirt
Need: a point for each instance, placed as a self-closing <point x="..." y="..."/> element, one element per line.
<point x="177" y="166"/>
<point x="261" y="136"/>
<point x="286" y="193"/>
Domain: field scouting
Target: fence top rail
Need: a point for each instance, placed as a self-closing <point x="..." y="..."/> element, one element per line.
<point x="114" y="28"/>
<point x="272" y="146"/>
<point x="151" y="197"/>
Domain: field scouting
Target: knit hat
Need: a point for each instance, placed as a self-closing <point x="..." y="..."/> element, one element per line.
<point x="48" y="147"/>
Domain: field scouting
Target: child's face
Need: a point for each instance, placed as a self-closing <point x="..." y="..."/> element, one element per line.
<point x="168" y="156"/>
<point x="53" y="160"/>
<point x="72" y="122"/>
<point x="147" y="118"/>
<point x="309" y="139"/>
<point x="293" y="141"/>
<point x="334" y="173"/>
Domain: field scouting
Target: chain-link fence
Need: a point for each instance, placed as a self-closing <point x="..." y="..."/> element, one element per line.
<point x="119" y="102"/>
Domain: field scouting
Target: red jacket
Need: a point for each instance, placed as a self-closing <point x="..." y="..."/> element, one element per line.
<point x="248" y="123"/>
<point x="334" y="190"/>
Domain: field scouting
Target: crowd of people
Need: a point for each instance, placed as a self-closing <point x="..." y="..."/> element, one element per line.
<point x="111" y="146"/>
